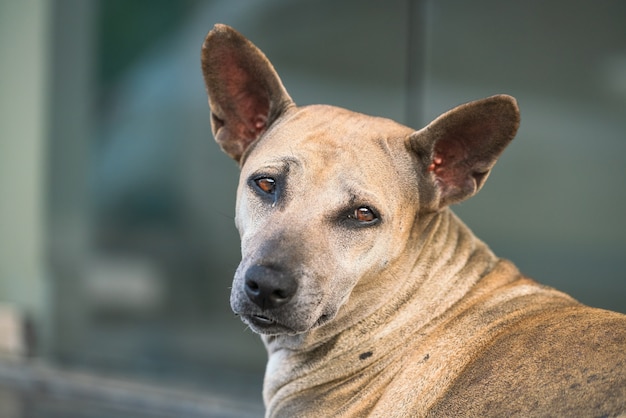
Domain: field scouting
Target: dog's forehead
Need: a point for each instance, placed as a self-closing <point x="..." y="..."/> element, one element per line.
<point x="330" y="135"/>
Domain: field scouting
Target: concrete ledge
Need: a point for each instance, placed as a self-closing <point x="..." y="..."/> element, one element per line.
<point x="82" y="394"/>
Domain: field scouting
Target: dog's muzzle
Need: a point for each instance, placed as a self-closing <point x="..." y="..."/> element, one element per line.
<point x="273" y="299"/>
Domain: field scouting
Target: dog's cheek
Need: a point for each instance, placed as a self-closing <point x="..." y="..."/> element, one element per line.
<point x="364" y="247"/>
<point x="358" y="254"/>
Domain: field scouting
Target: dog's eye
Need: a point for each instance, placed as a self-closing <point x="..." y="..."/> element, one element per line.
<point x="364" y="214"/>
<point x="266" y="184"/>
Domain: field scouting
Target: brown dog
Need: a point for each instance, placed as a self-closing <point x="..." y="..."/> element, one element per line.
<point x="371" y="296"/>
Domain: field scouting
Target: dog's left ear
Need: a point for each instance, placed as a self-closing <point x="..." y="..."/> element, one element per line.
<point x="458" y="149"/>
<point x="245" y="93"/>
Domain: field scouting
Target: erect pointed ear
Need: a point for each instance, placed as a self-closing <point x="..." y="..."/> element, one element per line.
<point x="458" y="149"/>
<point x="245" y="93"/>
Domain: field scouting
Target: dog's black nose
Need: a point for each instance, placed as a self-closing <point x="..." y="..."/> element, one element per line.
<point x="269" y="288"/>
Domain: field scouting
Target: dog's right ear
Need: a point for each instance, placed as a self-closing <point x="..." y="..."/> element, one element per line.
<point x="245" y="93"/>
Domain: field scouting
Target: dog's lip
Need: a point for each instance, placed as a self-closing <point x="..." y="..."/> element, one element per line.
<point x="263" y="320"/>
<point x="264" y="325"/>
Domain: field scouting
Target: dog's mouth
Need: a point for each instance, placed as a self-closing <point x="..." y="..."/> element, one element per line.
<point x="261" y="320"/>
<point x="265" y="325"/>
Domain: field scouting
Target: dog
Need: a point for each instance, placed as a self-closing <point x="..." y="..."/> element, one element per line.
<point x="371" y="297"/>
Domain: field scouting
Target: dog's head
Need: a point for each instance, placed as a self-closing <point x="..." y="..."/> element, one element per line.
<point x="329" y="198"/>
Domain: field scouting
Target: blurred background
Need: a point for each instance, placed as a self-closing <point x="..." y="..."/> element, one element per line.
<point x="117" y="241"/>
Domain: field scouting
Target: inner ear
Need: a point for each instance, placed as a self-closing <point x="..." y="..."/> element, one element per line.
<point x="461" y="146"/>
<point x="455" y="172"/>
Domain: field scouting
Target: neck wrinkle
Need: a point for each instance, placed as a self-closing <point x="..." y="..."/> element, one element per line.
<point x="450" y="263"/>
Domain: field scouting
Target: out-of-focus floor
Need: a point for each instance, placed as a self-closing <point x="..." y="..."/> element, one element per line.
<point x="32" y="390"/>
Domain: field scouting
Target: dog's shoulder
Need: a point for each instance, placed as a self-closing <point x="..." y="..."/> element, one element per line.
<point x="563" y="362"/>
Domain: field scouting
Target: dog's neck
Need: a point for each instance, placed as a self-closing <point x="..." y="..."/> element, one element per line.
<point x="446" y="260"/>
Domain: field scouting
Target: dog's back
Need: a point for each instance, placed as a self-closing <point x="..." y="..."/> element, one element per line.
<point x="560" y="362"/>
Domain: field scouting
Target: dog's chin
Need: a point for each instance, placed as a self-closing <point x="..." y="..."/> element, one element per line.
<point x="264" y="325"/>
